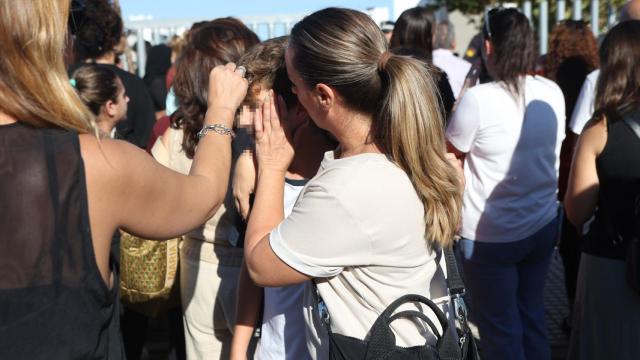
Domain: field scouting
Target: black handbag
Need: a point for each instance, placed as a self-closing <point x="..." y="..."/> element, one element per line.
<point x="632" y="260"/>
<point x="381" y="342"/>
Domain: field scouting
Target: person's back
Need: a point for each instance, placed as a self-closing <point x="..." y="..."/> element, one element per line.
<point x="50" y="286"/>
<point x="512" y="157"/>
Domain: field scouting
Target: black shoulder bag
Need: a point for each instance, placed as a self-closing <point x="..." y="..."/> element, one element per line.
<point x="381" y="342"/>
<point x="632" y="260"/>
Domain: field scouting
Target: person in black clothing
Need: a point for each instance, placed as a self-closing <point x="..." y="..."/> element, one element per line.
<point x="158" y="64"/>
<point x="96" y="38"/>
<point x="63" y="193"/>
<point x="604" y="183"/>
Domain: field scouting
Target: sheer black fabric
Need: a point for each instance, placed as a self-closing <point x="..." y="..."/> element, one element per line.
<point x="53" y="302"/>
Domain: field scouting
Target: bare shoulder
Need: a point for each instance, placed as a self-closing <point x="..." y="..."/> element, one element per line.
<point x="114" y="152"/>
<point x="594" y="135"/>
<point x="108" y="162"/>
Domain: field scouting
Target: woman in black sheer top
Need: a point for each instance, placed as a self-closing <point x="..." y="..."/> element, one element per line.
<point x="63" y="192"/>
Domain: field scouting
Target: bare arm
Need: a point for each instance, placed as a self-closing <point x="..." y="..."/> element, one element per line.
<point x="127" y="188"/>
<point x="582" y="191"/>
<point x="249" y="301"/>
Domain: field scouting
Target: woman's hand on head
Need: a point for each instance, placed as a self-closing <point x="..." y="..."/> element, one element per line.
<point x="227" y="88"/>
<point x="273" y="146"/>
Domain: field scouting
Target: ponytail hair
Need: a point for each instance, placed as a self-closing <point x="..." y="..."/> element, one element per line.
<point x="409" y="125"/>
<point x="96" y="85"/>
<point x="345" y="50"/>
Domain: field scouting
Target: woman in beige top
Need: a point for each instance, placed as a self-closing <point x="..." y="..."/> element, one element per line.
<point x="209" y="264"/>
<point x="367" y="227"/>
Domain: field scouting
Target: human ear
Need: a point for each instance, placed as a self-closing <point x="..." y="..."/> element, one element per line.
<point x="110" y="108"/>
<point x="325" y="95"/>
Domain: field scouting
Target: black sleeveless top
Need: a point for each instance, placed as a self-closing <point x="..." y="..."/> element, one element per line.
<point x="618" y="168"/>
<point x="53" y="302"/>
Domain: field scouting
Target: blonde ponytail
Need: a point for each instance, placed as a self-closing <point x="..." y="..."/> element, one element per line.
<point x="346" y="50"/>
<point x="410" y="126"/>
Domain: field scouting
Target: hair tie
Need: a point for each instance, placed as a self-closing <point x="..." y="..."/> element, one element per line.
<point x="384" y="57"/>
<point x="72" y="82"/>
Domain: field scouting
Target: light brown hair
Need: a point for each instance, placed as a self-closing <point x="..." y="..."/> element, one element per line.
<point x="34" y="86"/>
<point x="342" y="48"/>
<point x="266" y="70"/>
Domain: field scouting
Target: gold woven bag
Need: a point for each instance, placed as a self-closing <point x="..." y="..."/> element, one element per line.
<point x="149" y="270"/>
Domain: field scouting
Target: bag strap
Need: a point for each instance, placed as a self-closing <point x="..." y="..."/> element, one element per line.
<point x="454" y="281"/>
<point x="632" y="123"/>
<point x="456" y="292"/>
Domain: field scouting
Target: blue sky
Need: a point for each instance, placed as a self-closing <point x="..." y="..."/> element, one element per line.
<point x="176" y="9"/>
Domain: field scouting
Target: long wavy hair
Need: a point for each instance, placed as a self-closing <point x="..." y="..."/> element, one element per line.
<point x="513" y="42"/>
<point x="214" y="43"/>
<point x="572" y="55"/>
<point x="342" y="49"/>
<point x="34" y="85"/>
<point x="618" y="87"/>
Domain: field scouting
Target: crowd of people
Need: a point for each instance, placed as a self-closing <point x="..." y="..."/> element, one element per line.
<point x="316" y="178"/>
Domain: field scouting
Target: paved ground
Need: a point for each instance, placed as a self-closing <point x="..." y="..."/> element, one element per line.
<point x="555" y="302"/>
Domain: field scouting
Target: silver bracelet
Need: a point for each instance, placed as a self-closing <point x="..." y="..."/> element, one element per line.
<point x="217" y="128"/>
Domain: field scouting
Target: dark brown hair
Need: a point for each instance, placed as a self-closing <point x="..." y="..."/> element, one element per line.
<point x="414" y="30"/>
<point x="99" y="31"/>
<point x="342" y="48"/>
<point x="513" y="41"/>
<point x="618" y="87"/>
<point x="266" y="70"/>
<point x="96" y="85"/>
<point x="214" y="43"/>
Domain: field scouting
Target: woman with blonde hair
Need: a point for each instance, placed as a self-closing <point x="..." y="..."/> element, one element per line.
<point x="63" y="193"/>
<point x="368" y="227"/>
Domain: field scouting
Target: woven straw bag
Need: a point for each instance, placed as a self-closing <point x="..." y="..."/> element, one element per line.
<point x="149" y="270"/>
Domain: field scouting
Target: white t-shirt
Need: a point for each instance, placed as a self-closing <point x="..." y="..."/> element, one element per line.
<point x="283" y="324"/>
<point x="583" y="110"/>
<point x="512" y="161"/>
<point x="455" y="68"/>
<point x="358" y="228"/>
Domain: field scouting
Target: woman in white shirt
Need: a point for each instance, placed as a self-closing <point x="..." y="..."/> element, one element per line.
<point x="509" y="133"/>
<point x="366" y="227"/>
